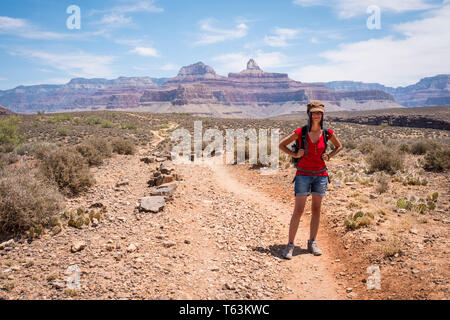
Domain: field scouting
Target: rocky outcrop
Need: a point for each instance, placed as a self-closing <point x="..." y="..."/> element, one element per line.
<point x="420" y="117"/>
<point x="431" y="91"/>
<point x="5" y="112"/>
<point x="198" y="84"/>
<point x="78" y="94"/>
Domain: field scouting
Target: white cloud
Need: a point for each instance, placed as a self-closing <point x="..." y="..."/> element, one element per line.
<point x="3" y="79"/>
<point x="138" y="6"/>
<point x="115" y="16"/>
<point x="215" y="35"/>
<point x="352" y="8"/>
<point x="79" y="64"/>
<point x="422" y="51"/>
<point x="281" y="36"/>
<point x="24" y="29"/>
<point x="145" y="51"/>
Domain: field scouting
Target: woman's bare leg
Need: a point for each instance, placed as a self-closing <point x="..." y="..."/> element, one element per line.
<point x="316" y="205"/>
<point x="299" y="206"/>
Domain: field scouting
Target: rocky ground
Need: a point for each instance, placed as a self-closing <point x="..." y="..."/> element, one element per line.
<point x="221" y="234"/>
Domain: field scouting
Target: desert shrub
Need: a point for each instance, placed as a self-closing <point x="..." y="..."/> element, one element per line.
<point x="383" y="183"/>
<point x="385" y="159"/>
<point x="28" y="200"/>
<point x="63" y="132"/>
<point x="7" y="159"/>
<point x="69" y="170"/>
<point x="404" y="147"/>
<point x="93" y="157"/>
<point x="128" y="125"/>
<point x="9" y="132"/>
<point x="420" y="147"/>
<point x="366" y="146"/>
<point x="107" y="124"/>
<point x="93" y="121"/>
<point x="123" y="146"/>
<point x="95" y="150"/>
<point x="349" y="144"/>
<point x="358" y="220"/>
<point x="437" y="159"/>
<point x="391" y="247"/>
<point x="36" y="149"/>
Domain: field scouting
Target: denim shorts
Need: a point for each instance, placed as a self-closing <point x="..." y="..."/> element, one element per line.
<point x="305" y="185"/>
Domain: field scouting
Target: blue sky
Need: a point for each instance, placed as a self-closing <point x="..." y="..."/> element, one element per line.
<point x="311" y="40"/>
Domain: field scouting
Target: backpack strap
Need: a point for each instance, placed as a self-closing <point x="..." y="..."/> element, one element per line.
<point x="326" y="134"/>
<point x="304" y="140"/>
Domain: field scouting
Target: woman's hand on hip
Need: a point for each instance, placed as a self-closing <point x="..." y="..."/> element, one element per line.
<point x="299" y="154"/>
<point x="325" y="157"/>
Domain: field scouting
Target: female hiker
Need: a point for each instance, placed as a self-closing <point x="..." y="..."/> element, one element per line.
<point x="311" y="175"/>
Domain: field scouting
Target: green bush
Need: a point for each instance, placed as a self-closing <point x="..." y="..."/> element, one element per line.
<point x="63" y="132"/>
<point x="128" y="125"/>
<point x="9" y="131"/>
<point x="107" y="124"/>
<point x="69" y="170"/>
<point x="28" y="200"/>
<point x="93" y="121"/>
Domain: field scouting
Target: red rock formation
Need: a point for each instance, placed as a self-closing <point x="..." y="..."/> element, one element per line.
<point x="5" y="112"/>
<point x="199" y="84"/>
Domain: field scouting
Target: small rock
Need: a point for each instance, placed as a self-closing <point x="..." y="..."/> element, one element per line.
<point x="131" y="248"/>
<point x="228" y="287"/>
<point x="58" y="284"/>
<point x="152" y="204"/>
<point x="5" y="244"/>
<point x="77" y="246"/>
<point x="97" y="205"/>
<point x="122" y="183"/>
<point x="118" y="256"/>
<point x="169" y="244"/>
<point x="373" y="196"/>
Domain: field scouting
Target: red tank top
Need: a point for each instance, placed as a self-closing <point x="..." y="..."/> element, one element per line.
<point x="313" y="161"/>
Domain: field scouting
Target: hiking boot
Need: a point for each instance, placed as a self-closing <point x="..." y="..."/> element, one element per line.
<point x="287" y="253"/>
<point x="313" y="248"/>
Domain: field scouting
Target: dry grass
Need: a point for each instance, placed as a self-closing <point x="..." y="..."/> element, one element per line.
<point x="384" y="159"/>
<point x="69" y="170"/>
<point x="27" y="201"/>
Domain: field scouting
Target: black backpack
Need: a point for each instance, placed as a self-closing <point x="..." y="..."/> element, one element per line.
<point x="304" y="145"/>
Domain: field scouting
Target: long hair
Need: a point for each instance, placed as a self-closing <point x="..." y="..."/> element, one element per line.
<point x="310" y="121"/>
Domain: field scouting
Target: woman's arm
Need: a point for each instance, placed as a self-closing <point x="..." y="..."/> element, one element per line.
<point x="338" y="147"/>
<point x="283" y="146"/>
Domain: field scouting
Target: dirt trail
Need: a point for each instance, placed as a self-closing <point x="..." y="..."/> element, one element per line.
<point x="309" y="275"/>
